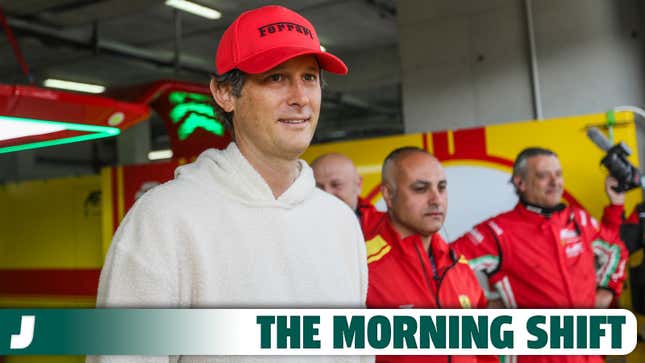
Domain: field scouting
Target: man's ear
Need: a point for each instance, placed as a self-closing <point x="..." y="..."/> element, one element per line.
<point x="223" y="95"/>
<point x="519" y="183"/>
<point x="388" y="194"/>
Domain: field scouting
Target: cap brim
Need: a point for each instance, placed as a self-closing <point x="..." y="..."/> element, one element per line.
<point x="264" y="61"/>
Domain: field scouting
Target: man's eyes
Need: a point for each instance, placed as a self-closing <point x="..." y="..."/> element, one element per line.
<point x="425" y="188"/>
<point x="544" y="176"/>
<point x="276" y="77"/>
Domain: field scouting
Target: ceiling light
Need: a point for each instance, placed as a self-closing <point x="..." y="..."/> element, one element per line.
<point x="32" y="129"/>
<point x="323" y="48"/>
<point x="12" y="129"/>
<point x="193" y="8"/>
<point x="73" y="86"/>
<point x="160" y="154"/>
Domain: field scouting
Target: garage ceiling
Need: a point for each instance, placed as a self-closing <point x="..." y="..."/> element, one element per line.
<point x="123" y="42"/>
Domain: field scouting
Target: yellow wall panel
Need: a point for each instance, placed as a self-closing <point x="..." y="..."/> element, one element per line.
<point x="51" y="224"/>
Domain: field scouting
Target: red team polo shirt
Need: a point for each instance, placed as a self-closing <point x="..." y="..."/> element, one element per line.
<point x="548" y="261"/>
<point x="403" y="275"/>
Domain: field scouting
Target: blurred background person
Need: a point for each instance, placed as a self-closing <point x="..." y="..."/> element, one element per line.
<point x="336" y="174"/>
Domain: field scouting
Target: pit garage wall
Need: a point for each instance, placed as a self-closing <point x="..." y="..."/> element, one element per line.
<point x="50" y="242"/>
<point x="466" y="63"/>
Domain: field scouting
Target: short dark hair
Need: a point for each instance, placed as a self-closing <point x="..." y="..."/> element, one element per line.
<point x="519" y="166"/>
<point x="236" y="79"/>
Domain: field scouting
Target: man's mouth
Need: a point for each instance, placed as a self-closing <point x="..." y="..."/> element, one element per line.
<point x="294" y="121"/>
<point x="434" y="214"/>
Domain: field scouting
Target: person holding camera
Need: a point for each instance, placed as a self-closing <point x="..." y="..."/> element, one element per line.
<point x="545" y="254"/>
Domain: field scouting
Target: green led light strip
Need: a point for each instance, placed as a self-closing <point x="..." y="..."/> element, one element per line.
<point x="193" y="111"/>
<point x="181" y="97"/>
<point x="97" y="132"/>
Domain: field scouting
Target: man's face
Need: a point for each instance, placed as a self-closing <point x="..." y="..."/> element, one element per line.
<point x="419" y="201"/>
<point x="543" y="184"/>
<point x="277" y="112"/>
<point x="337" y="175"/>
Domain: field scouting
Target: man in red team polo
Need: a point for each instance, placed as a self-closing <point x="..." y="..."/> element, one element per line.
<point x="336" y="174"/>
<point x="544" y="254"/>
<point x="409" y="263"/>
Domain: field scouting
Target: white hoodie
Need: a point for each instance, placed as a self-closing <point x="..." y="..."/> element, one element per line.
<point x="215" y="236"/>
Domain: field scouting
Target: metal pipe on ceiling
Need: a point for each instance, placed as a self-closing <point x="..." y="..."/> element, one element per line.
<point x="535" y="78"/>
<point x="163" y="58"/>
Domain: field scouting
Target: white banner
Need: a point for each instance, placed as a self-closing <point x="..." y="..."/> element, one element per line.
<point x="426" y="332"/>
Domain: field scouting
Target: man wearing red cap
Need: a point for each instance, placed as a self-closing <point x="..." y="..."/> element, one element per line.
<point x="246" y="226"/>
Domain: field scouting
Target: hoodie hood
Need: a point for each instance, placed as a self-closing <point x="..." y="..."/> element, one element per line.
<point x="230" y="174"/>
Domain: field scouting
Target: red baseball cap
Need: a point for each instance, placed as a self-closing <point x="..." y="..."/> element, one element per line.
<point x="261" y="39"/>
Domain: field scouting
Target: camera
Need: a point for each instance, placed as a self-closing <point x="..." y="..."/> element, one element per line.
<point x="616" y="162"/>
<point x="621" y="169"/>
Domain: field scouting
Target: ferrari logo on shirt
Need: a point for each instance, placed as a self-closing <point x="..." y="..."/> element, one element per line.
<point x="464" y="301"/>
<point x="567" y="234"/>
<point x="572" y="242"/>
<point x="573" y="249"/>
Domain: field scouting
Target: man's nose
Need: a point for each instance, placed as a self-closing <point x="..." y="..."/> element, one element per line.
<point x="553" y="180"/>
<point x="298" y="95"/>
<point x="433" y="196"/>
